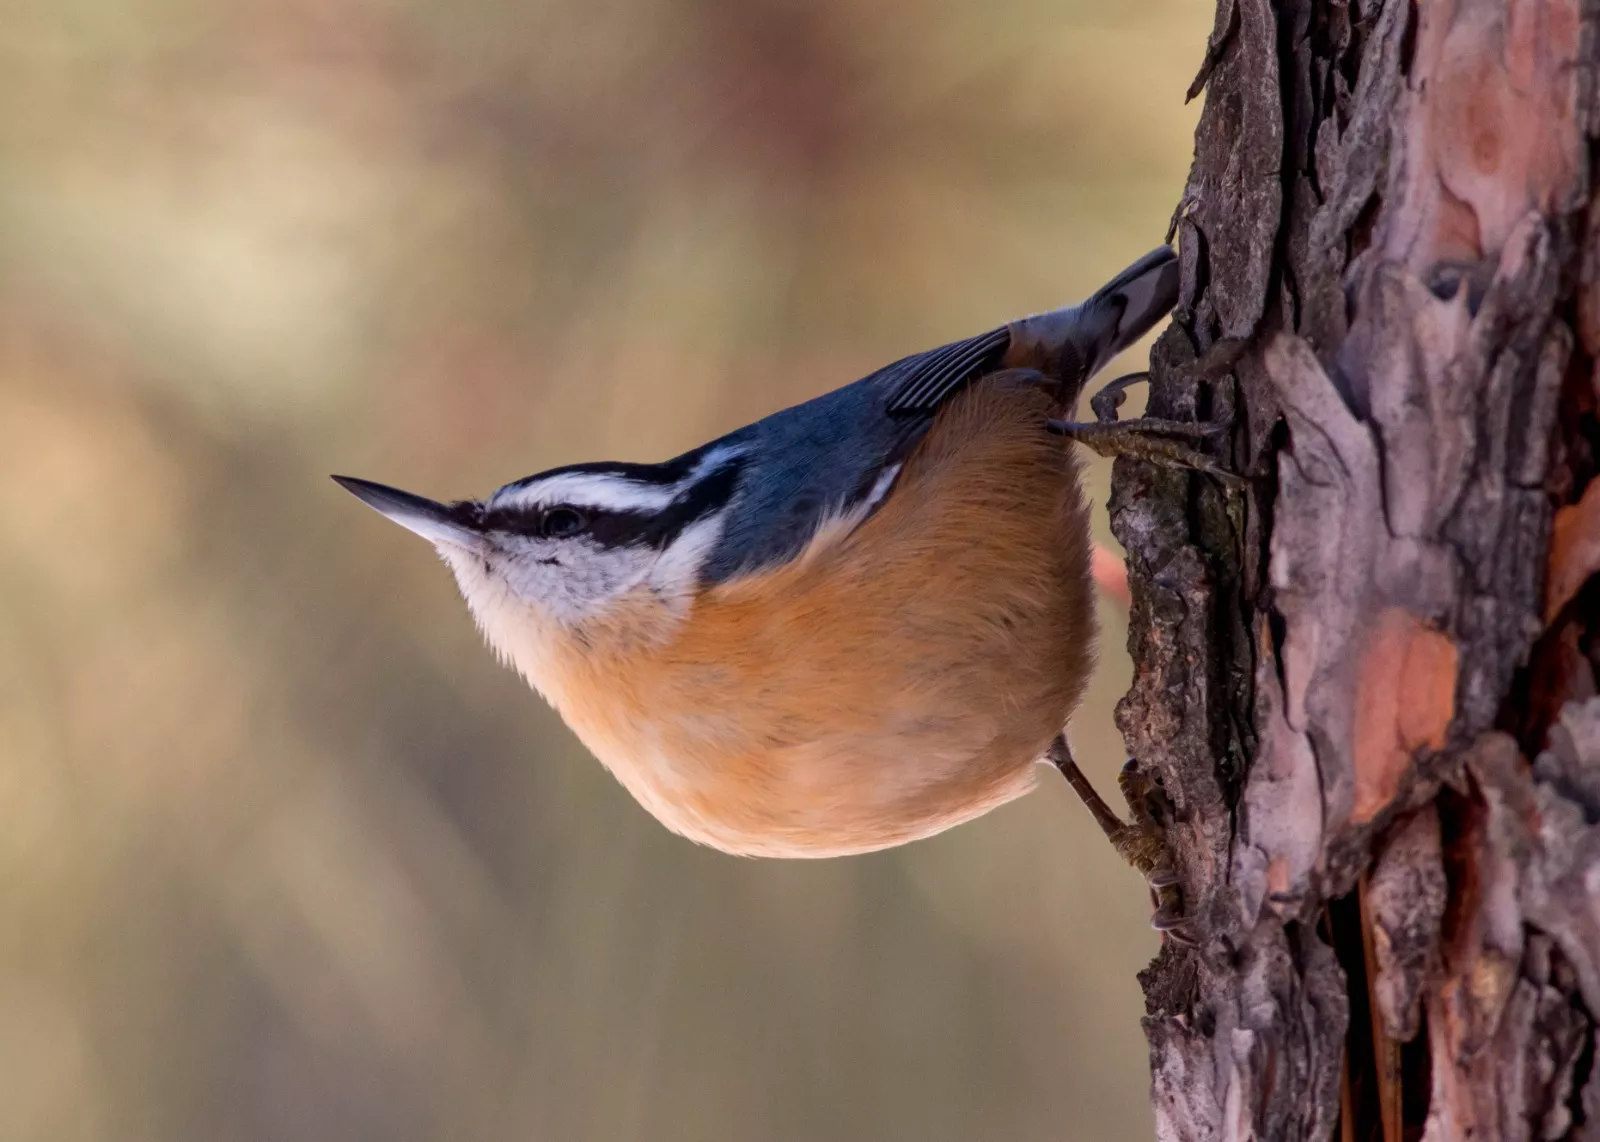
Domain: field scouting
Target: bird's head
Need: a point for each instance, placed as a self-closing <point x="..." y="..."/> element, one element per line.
<point x="563" y="548"/>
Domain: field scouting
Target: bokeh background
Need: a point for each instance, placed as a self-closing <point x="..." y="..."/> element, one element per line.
<point x="284" y="854"/>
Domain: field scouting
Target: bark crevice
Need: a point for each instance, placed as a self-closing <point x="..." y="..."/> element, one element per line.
<point x="1391" y="262"/>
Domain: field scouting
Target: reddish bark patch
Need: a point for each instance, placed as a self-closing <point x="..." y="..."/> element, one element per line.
<point x="1405" y="698"/>
<point x="1491" y="127"/>
<point x="1574" y="551"/>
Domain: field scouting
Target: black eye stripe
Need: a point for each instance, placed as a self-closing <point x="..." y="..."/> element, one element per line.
<point x="618" y="528"/>
<point x="605" y="527"/>
<point x="707" y="496"/>
<point x="562" y="521"/>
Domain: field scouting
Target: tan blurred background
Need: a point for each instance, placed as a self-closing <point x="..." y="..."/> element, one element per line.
<point x="284" y="854"/>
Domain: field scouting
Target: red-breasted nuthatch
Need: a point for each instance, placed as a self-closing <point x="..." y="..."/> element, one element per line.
<point x="851" y="624"/>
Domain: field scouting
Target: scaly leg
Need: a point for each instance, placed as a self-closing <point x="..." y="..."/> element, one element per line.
<point x="1142" y="842"/>
<point x="1144" y="438"/>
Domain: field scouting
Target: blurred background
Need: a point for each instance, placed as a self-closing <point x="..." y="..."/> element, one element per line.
<point x="284" y="854"/>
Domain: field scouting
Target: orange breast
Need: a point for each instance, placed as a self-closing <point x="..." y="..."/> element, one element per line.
<point x="886" y="685"/>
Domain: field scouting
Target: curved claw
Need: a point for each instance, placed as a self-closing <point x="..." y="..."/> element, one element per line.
<point x="1165" y="877"/>
<point x="1163" y="922"/>
<point x="1169" y="918"/>
<point x="1178" y="931"/>
<point x="1109" y="398"/>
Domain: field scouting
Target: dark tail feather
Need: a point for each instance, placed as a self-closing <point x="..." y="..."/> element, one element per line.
<point x="1077" y="341"/>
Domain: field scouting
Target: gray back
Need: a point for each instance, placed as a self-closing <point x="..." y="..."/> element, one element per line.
<point x="818" y="459"/>
<point x="803" y="465"/>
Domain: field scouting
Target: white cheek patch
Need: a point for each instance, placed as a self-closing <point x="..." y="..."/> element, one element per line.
<point x="573" y="579"/>
<point x="676" y="574"/>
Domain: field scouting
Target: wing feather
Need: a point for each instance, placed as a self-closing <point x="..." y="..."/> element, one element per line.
<point x="924" y="381"/>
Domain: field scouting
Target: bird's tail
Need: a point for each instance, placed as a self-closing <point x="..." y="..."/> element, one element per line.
<point x="1075" y="342"/>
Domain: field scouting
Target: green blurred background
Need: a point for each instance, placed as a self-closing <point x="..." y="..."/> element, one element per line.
<point x="284" y="854"/>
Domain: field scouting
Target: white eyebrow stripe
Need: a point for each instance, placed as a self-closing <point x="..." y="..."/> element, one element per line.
<point x="591" y="490"/>
<point x="607" y="491"/>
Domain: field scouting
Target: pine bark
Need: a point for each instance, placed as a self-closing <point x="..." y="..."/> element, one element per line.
<point x="1367" y="680"/>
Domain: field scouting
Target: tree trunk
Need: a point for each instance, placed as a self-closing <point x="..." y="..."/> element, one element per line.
<point x="1367" y="681"/>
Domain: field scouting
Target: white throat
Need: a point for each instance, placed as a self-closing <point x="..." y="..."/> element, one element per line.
<point x="524" y="604"/>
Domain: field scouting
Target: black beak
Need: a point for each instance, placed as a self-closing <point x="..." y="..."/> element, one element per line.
<point x="435" y="522"/>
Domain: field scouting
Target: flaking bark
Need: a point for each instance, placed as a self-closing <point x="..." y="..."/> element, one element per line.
<point x="1375" y="720"/>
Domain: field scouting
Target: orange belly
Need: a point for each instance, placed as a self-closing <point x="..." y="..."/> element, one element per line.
<point x="886" y="685"/>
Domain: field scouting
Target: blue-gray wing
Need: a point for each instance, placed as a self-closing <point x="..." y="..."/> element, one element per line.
<point x="922" y="382"/>
<point x="819" y="460"/>
<point x="804" y="466"/>
<point x="822" y="459"/>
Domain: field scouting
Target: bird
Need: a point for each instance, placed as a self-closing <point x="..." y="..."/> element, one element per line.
<point x="852" y="624"/>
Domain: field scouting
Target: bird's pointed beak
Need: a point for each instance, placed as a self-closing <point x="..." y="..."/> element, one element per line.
<point x="435" y="522"/>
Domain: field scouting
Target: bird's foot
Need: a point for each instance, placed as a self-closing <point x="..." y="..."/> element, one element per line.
<point x="1152" y="439"/>
<point x="1141" y="841"/>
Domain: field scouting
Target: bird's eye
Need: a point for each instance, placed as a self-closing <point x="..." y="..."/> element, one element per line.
<point x="560" y="522"/>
